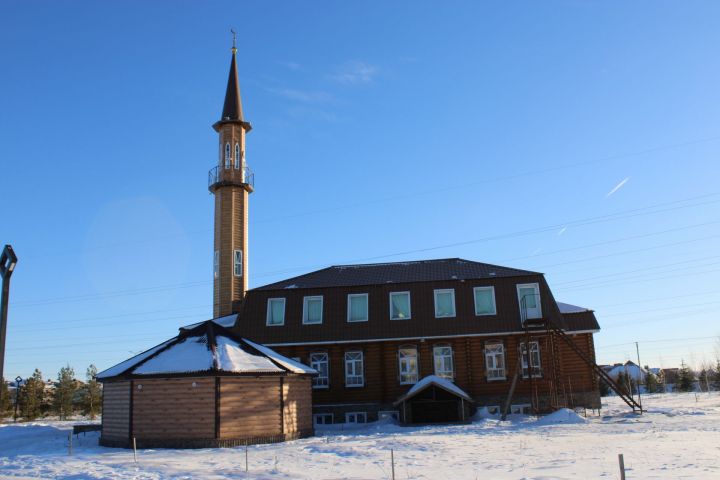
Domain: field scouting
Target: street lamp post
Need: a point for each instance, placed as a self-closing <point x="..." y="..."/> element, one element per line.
<point x="8" y="260"/>
<point x="18" y="383"/>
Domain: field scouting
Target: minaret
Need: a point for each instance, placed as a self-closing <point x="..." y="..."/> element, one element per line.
<point x="231" y="181"/>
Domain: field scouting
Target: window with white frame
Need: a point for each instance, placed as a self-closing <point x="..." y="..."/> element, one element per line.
<point x="534" y="359"/>
<point x="520" y="409"/>
<point x="408" y="364"/>
<point x="356" y="417"/>
<point x="389" y="414"/>
<point x="237" y="263"/>
<point x="484" y="301"/>
<point x="323" y="418"/>
<point x="493" y="409"/>
<point x="495" y="361"/>
<point x="312" y="310"/>
<point x="216" y="264"/>
<point x="400" y="305"/>
<point x="237" y="156"/>
<point x="443" y="361"/>
<point x="319" y="361"/>
<point x="275" y="311"/>
<point x="529" y="300"/>
<point x="354" y="376"/>
<point x="357" y="309"/>
<point x="444" y="303"/>
<point x="227" y="155"/>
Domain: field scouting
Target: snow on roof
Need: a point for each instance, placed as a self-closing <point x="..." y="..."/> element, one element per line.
<point x="232" y="358"/>
<point x="228" y="321"/>
<point x="292" y="365"/>
<point x="207" y="347"/>
<point x="567" y="308"/>
<point x="443" y="383"/>
<point x="122" y="366"/>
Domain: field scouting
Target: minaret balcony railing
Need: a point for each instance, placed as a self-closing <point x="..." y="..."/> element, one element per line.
<point x="221" y="176"/>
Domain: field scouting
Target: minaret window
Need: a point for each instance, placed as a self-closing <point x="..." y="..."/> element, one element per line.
<point x="237" y="156"/>
<point x="227" y="155"/>
<point x="216" y="264"/>
<point x="237" y="263"/>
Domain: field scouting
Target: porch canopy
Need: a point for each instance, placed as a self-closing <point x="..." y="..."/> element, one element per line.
<point x="435" y="400"/>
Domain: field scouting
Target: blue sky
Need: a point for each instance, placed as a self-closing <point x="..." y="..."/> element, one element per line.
<point x="575" y="138"/>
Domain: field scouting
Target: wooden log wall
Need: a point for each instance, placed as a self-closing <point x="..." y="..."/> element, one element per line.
<point x="116" y="410"/>
<point x="250" y="407"/>
<point x="174" y="408"/>
<point x="297" y="413"/>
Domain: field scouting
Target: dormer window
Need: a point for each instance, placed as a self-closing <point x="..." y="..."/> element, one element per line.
<point x="227" y="155"/>
<point x="237" y="156"/>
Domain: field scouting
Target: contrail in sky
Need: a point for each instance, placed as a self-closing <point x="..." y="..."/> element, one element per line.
<point x="617" y="187"/>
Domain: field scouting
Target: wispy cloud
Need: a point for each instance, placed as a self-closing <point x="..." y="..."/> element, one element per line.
<point x="617" y="187"/>
<point x="291" y="65"/>
<point x="303" y="96"/>
<point x="562" y="230"/>
<point x="355" y="73"/>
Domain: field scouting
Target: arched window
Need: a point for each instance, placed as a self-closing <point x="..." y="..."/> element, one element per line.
<point x="443" y="361"/>
<point x="408" y="364"/>
<point x="227" y="155"/>
<point x="237" y="156"/>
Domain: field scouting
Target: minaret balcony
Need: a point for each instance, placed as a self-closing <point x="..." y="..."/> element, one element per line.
<point x="229" y="175"/>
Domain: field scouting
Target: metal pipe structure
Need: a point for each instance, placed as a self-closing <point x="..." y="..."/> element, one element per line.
<point x="8" y="260"/>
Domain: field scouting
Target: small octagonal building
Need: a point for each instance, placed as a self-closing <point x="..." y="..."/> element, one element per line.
<point x="206" y="387"/>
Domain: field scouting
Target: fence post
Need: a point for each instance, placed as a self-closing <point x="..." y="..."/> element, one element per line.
<point x="621" y="460"/>
<point x="134" y="450"/>
<point x="246" y="456"/>
<point x="392" y="463"/>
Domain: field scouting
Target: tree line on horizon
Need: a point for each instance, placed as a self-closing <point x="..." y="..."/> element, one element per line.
<point x="686" y="380"/>
<point x="64" y="397"/>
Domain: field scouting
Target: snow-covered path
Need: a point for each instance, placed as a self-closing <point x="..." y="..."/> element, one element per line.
<point x="678" y="437"/>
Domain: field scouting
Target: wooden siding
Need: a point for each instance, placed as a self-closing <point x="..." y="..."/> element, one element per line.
<point x="382" y="383"/>
<point x="250" y="407"/>
<point x="116" y="410"/>
<point x="297" y="413"/>
<point x="173" y="408"/>
<point x="423" y="323"/>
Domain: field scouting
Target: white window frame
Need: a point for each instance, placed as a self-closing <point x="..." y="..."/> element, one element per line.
<point x="320" y="382"/>
<point x="227" y="155"/>
<point x="537" y="366"/>
<point x="394" y="414"/>
<point x="237" y="263"/>
<point x="237" y="156"/>
<point x="520" y="409"/>
<point x="392" y="294"/>
<point x="325" y="416"/>
<point x="444" y="374"/>
<point x="268" y="314"/>
<point x="357" y="415"/>
<point x="306" y="300"/>
<point x="480" y="289"/>
<point x="536" y="286"/>
<point x="355" y="380"/>
<point x="408" y="377"/>
<point x="367" y="306"/>
<point x="216" y="264"/>
<point x="451" y="291"/>
<point x="493" y="374"/>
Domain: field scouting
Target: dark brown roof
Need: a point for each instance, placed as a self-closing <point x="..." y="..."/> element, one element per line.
<point x="232" y="109"/>
<point x="397" y="272"/>
<point x="580" y="321"/>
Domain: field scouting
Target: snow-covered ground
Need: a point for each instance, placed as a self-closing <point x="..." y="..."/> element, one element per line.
<point x="678" y="437"/>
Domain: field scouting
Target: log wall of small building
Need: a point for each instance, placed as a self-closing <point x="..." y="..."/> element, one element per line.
<point x="116" y="411"/>
<point x="250" y="407"/>
<point x="173" y="408"/>
<point x="297" y="413"/>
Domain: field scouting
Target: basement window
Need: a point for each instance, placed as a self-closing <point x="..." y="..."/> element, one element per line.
<point x="323" y="419"/>
<point x="356" y="417"/>
<point x="399" y="305"/>
<point x="484" y="301"/>
<point x="312" y="309"/>
<point x="237" y="263"/>
<point x="275" y="312"/>
<point x="444" y="303"/>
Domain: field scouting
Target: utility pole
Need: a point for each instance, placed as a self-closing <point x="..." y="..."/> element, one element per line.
<point x="637" y="349"/>
<point x="8" y="260"/>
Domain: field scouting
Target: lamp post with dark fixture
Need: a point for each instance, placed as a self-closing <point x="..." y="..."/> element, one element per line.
<point x="18" y="383"/>
<point x="8" y="260"/>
